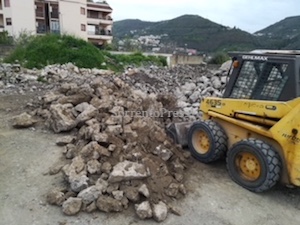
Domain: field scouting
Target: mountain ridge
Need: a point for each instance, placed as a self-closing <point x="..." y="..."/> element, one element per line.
<point x="199" y="33"/>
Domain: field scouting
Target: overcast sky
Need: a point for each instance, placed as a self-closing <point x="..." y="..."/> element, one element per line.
<point x="248" y="15"/>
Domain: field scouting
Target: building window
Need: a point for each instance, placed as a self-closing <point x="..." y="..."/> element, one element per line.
<point x="83" y="27"/>
<point x="82" y="11"/>
<point x="6" y="3"/>
<point x="8" y="22"/>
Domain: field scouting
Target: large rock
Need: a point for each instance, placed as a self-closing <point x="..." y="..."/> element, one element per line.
<point x="72" y="206"/>
<point x="128" y="170"/>
<point x="61" y="118"/>
<point x="143" y="210"/>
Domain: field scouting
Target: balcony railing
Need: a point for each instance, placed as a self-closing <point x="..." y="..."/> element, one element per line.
<point x="55" y="15"/>
<point x="101" y="32"/>
<point x="43" y="30"/>
<point x="39" y="14"/>
<point x="99" y="17"/>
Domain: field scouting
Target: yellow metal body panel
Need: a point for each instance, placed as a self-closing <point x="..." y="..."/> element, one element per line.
<point x="277" y="123"/>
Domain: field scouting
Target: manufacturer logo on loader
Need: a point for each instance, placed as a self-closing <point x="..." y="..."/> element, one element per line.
<point x="255" y="57"/>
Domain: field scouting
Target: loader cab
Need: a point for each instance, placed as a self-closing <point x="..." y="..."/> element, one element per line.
<point x="264" y="75"/>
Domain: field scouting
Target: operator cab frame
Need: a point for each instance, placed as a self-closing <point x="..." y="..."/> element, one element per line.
<point x="264" y="75"/>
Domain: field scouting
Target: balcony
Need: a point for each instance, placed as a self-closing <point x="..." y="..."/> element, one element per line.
<point x="39" y="15"/>
<point x="101" y="7"/>
<point x="103" y="35"/>
<point x="97" y="21"/>
<point x="43" y="30"/>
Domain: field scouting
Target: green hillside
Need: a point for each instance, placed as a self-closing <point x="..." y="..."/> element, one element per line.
<point x="196" y="32"/>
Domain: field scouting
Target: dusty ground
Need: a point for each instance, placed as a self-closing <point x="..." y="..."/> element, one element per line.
<point x="26" y="155"/>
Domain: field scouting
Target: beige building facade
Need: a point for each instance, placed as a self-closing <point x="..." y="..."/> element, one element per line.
<point x="82" y="18"/>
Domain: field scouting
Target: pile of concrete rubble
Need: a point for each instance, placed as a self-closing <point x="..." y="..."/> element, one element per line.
<point x="116" y="149"/>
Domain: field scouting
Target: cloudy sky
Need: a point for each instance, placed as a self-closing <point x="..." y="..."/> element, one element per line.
<point x="248" y="15"/>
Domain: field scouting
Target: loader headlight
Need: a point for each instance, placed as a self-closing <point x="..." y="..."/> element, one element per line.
<point x="236" y="64"/>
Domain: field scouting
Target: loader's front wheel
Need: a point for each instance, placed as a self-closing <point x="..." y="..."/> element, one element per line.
<point x="254" y="165"/>
<point x="207" y="141"/>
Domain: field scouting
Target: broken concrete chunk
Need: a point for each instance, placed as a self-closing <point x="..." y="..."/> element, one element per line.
<point x="89" y="194"/>
<point x="109" y="204"/>
<point x="172" y="190"/>
<point x="61" y="118"/>
<point x="93" y="166"/>
<point x="160" y="211"/>
<point x="55" y="197"/>
<point x="144" y="190"/>
<point x="62" y="141"/>
<point x="23" y="121"/>
<point x="88" y="113"/>
<point x="72" y="206"/>
<point x="118" y="195"/>
<point x="128" y="170"/>
<point x="132" y="194"/>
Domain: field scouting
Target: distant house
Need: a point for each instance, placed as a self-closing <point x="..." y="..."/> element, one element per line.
<point x="83" y="18"/>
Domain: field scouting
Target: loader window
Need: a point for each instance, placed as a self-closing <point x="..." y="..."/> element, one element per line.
<point x="271" y="81"/>
<point x="247" y="79"/>
<point x="260" y="80"/>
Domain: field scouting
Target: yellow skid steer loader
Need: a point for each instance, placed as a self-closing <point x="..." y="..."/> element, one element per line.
<point x="256" y="124"/>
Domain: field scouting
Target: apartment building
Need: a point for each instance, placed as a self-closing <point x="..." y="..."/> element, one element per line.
<point x="86" y="19"/>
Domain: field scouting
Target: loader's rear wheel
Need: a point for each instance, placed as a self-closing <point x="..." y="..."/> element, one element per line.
<point x="254" y="165"/>
<point x="207" y="141"/>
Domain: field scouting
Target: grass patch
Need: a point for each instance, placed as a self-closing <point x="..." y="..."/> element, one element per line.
<point x="41" y="51"/>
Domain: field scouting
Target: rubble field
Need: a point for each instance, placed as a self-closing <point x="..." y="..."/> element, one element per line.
<point x="116" y="152"/>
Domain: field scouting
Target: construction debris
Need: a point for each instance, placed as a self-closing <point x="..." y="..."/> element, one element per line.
<point x="114" y="139"/>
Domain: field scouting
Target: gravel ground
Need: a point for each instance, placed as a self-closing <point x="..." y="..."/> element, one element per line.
<point x="26" y="155"/>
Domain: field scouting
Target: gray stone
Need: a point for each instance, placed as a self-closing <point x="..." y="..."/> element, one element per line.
<point x="216" y="82"/>
<point x="100" y="137"/>
<point x="93" y="166"/>
<point x="114" y="129"/>
<point x="195" y="96"/>
<point x="89" y="194"/>
<point x="160" y="211"/>
<point x="118" y="195"/>
<point x="78" y="183"/>
<point x="106" y="167"/>
<point x="89" y="112"/>
<point x="82" y="106"/>
<point x="102" y="185"/>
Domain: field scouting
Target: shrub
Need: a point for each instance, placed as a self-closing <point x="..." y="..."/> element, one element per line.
<point x="219" y="58"/>
<point x="51" y="49"/>
<point x="39" y="51"/>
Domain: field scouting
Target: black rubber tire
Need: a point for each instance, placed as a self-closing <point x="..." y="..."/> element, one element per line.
<point x="268" y="158"/>
<point x="217" y="138"/>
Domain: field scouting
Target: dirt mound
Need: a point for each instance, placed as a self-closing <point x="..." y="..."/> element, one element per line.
<point x="117" y="148"/>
